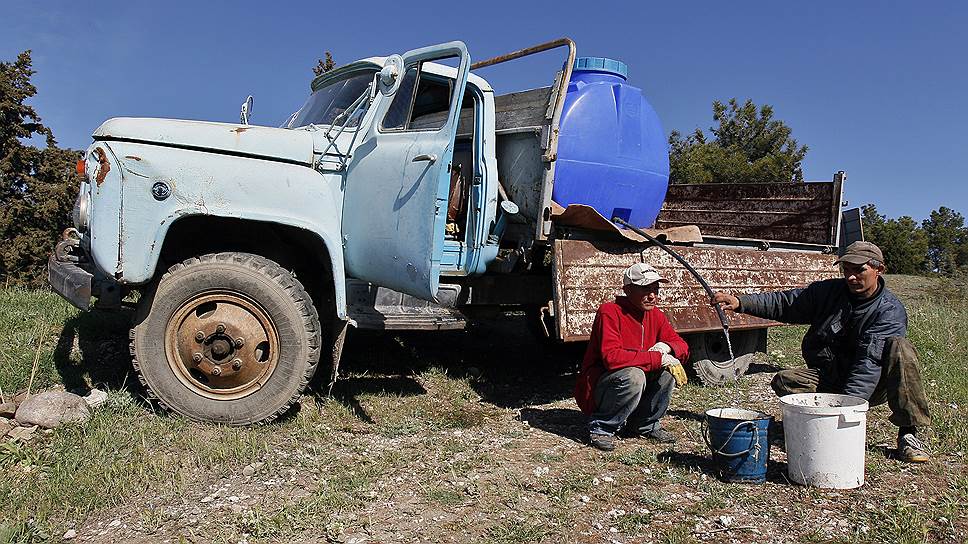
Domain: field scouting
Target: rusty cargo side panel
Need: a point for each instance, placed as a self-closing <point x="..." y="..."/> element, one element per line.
<point x="805" y="213"/>
<point x="589" y="273"/>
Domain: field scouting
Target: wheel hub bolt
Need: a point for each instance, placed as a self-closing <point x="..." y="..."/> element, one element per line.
<point x="197" y="357"/>
<point x="220" y="328"/>
<point x="236" y="364"/>
<point x="239" y="342"/>
<point x="199" y="336"/>
<point x="216" y="370"/>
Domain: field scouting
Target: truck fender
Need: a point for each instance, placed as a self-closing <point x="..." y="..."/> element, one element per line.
<point x="160" y="185"/>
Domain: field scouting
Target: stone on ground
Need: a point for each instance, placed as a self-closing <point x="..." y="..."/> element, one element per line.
<point x="22" y="433"/>
<point x="53" y="408"/>
<point x="5" y="426"/>
<point x="95" y="398"/>
<point x="8" y="409"/>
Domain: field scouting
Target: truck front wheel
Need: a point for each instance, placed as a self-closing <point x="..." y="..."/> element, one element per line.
<point x="228" y="338"/>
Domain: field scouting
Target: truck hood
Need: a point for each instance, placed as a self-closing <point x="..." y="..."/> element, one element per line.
<point x="295" y="146"/>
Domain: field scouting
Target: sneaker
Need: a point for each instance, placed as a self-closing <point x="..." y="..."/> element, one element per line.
<point x="660" y="435"/>
<point x="911" y="450"/>
<point x="604" y="442"/>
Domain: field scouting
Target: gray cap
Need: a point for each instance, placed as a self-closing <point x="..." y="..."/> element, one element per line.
<point x="641" y="274"/>
<point x="861" y="253"/>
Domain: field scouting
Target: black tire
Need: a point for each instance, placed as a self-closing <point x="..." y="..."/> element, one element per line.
<point x="710" y="355"/>
<point x="253" y="320"/>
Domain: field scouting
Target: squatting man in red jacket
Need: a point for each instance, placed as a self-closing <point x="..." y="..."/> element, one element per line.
<point x="632" y="364"/>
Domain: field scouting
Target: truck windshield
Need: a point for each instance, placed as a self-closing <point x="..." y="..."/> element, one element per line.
<point x="324" y="105"/>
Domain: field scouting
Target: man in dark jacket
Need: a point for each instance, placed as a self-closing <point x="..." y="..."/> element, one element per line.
<point x="631" y="364"/>
<point x="856" y="344"/>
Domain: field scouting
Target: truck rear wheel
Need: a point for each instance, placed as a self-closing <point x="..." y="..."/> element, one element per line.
<point x="710" y="355"/>
<point x="228" y="338"/>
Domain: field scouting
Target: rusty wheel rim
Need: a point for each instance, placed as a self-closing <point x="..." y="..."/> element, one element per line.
<point x="222" y="345"/>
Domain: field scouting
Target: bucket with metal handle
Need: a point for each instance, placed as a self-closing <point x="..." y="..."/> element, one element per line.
<point x="739" y="443"/>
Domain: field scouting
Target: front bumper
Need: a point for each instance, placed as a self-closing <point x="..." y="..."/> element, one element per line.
<point x="70" y="281"/>
<point x="66" y="275"/>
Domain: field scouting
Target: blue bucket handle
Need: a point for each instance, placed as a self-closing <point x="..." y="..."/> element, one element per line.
<point x="755" y="442"/>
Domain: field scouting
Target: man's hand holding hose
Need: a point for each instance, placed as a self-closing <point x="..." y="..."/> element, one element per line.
<point x="726" y="301"/>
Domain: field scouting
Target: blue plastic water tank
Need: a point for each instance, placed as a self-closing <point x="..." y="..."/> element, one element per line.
<point x="612" y="152"/>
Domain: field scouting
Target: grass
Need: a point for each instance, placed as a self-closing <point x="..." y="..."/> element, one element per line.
<point x="899" y="521"/>
<point x="517" y="531"/>
<point x="40" y="325"/>
<point x="638" y="457"/>
<point x="413" y="434"/>
<point x="677" y="535"/>
<point x="633" y="522"/>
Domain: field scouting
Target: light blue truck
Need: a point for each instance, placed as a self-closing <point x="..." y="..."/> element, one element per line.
<point x="404" y="194"/>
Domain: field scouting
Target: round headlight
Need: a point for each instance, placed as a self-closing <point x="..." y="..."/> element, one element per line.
<point x="82" y="209"/>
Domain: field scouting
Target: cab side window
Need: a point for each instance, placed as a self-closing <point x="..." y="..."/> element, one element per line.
<point x="425" y="109"/>
<point x="399" y="112"/>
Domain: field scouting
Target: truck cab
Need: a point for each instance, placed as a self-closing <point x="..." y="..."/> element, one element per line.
<point x="385" y="177"/>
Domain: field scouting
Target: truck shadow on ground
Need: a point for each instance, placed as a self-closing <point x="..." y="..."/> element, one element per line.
<point x="500" y="360"/>
<point x="92" y="351"/>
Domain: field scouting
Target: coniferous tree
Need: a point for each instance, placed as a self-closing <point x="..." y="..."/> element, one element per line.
<point x="324" y="65"/>
<point x="747" y="146"/>
<point x="37" y="186"/>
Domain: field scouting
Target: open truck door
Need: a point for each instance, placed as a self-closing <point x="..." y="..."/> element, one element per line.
<point x="397" y="185"/>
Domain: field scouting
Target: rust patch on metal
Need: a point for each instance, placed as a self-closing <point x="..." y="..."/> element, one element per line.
<point x="133" y="157"/>
<point x="228" y="351"/>
<point x="791" y="212"/>
<point x="587" y="274"/>
<point x="239" y="130"/>
<point x="104" y="166"/>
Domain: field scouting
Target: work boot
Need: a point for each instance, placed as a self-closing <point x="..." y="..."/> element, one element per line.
<point x="660" y="435"/>
<point x="911" y="450"/>
<point x="604" y="442"/>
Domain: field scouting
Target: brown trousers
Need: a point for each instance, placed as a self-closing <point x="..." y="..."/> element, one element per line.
<point x="899" y="386"/>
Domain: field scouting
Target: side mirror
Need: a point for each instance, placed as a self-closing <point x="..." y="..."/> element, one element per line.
<point x="391" y="75"/>
<point x="246" y="110"/>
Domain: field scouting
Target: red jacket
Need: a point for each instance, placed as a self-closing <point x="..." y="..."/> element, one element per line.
<point x="621" y="337"/>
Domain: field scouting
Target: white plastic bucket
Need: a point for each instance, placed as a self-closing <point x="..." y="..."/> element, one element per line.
<point x="825" y="437"/>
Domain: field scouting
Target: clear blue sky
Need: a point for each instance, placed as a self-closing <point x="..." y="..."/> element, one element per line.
<point x="875" y="88"/>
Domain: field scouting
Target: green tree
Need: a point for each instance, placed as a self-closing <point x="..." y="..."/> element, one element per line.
<point x="37" y="186"/>
<point x="903" y="242"/>
<point x="947" y="240"/>
<point x="747" y="146"/>
<point x="324" y="65"/>
<point x="873" y="223"/>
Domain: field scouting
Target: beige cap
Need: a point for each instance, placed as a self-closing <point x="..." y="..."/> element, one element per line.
<point x="860" y="253"/>
<point x="642" y="274"/>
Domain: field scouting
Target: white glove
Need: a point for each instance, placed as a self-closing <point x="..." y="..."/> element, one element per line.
<point x="662" y="348"/>
<point x="669" y="360"/>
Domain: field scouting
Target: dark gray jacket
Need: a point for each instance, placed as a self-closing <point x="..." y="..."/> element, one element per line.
<point x="845" y="341"/>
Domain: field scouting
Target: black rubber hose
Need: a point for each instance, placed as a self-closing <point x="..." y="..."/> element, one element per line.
<point x="640" y="232"/>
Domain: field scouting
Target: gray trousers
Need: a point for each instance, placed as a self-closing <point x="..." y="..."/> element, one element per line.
<point x="631" y="399"/>
<point x="900" y="384"/>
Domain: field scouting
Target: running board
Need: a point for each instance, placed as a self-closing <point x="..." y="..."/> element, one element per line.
<point x="379" y="308"/>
